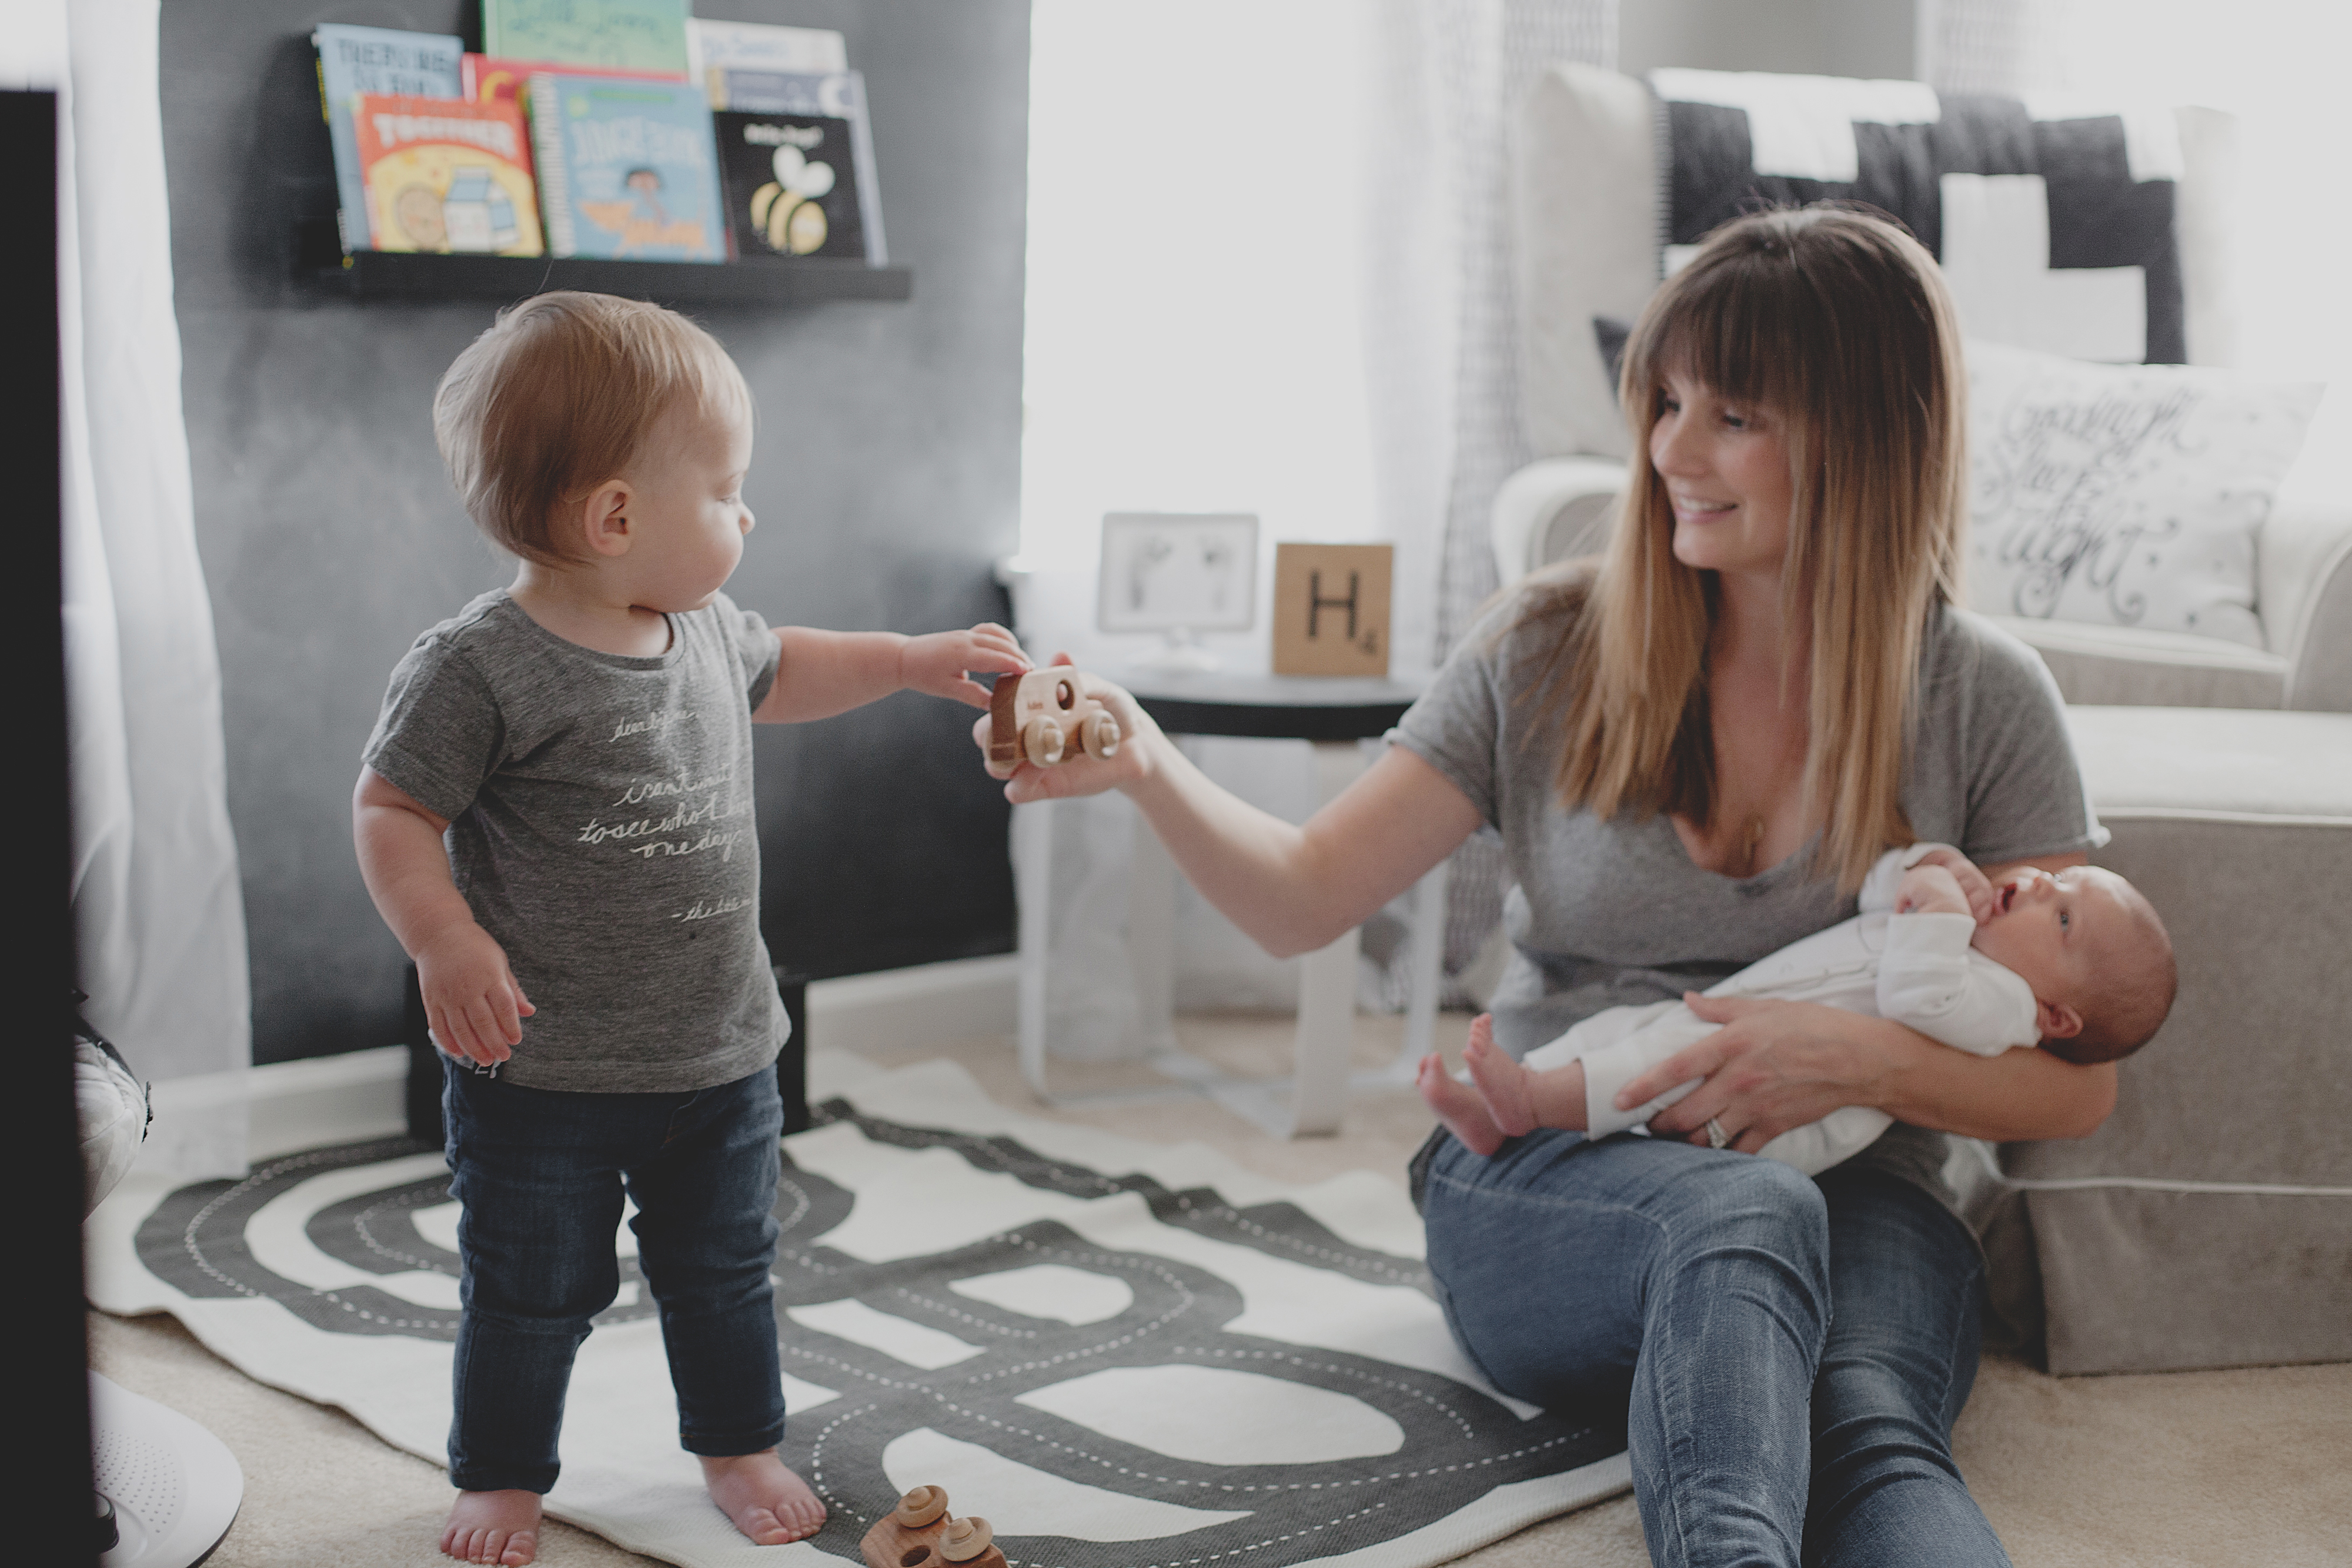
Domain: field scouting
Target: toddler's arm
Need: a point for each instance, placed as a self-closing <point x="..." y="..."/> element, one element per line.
<point x="824" y="673"/>
<point x="472" y="1000"/>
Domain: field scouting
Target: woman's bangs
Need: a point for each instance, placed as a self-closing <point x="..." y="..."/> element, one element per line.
<point x="1727" y="328"/>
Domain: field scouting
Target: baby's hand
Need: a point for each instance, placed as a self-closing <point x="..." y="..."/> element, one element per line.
<point x="1975" y="887"/>
<point x="936" y="665"/>
<point x="473" y="1003"/>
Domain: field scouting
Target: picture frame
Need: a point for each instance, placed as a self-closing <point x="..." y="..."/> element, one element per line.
<point x="1178" y="572"/>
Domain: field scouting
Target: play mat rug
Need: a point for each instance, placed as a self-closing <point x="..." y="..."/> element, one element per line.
<point x="1123" y="1355"/>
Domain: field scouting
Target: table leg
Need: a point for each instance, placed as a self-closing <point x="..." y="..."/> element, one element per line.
<point x="1326" y="985"/>
<point x="1151" y="938"/>
<point x="1032" y="881"/>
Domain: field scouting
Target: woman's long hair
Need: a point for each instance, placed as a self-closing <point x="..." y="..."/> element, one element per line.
<point x="1837" y="324"/>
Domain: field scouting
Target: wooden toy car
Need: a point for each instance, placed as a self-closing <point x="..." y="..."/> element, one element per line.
<point x="1046" y="714"/>
<point x="920" y="1534"/>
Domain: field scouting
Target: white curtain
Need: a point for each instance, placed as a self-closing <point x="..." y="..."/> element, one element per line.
<point x="1269" y="271"/>
<point x="157" y="907"/>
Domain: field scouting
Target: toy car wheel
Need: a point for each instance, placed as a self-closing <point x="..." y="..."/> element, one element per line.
<point x="1100" y="737"/>
<point x="1042" y="742"/>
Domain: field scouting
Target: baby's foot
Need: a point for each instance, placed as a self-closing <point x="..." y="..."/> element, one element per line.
<point x="1458" y="1106"/>
<point x="500" y="1527"/>
<point x="1502" y="1082"/>
<point x="768" y="1503"/>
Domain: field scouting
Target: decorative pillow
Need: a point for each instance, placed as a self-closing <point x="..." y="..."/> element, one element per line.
<point x="2122" y="495"/>
<point x="2053" y="219"/>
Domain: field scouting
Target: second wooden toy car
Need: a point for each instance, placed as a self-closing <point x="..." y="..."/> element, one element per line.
<point x="1044" y="716"/>
<point x="920" y="1534"/>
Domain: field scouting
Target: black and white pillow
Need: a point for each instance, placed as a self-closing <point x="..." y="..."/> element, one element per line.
<point x="2054" y="221"/>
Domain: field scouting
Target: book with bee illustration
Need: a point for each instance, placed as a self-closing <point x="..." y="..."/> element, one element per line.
<point x="798" y="164"/>
<point x="627" y="168"/>
<point x="445" y="175"/>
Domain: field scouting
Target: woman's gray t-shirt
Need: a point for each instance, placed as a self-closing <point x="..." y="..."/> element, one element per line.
<point x="1613" y="912"/>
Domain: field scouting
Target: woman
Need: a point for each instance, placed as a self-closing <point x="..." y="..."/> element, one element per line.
<point x="1693" y="751"/>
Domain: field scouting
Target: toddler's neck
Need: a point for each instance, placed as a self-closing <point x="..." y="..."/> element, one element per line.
<point x="582" y="604"/>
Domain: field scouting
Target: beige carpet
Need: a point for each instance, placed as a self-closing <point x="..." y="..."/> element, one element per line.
<point x="2238" y="1467"/>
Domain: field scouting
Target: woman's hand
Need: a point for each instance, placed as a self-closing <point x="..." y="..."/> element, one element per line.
<point x="1774" y="1065"/>
<point x="1140" y="740"/>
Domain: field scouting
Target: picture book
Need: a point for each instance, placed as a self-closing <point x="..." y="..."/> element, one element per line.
<point x="760" y="46"/>
<point x="483" y="80"/>
<point x="812" y="128"/>
<point x="354" y="60"/>
<point x="627" y="168"/>
<point x="603" y="35"/>
<point x="447" y="175"/>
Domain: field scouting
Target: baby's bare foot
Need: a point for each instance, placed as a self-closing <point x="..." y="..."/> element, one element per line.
<point x="768" y="1503"/>
<point x="1502" y="1082"/>
<point x="1458" y="1106"/>
<point x="499" y="1527"/>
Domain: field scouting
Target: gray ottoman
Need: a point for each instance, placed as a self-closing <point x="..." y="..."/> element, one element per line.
<point x="2208" y="1223"/>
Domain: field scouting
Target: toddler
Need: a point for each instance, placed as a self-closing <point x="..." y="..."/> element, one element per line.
<point x="2076" y="962"/>
<point x="555" y="818"/>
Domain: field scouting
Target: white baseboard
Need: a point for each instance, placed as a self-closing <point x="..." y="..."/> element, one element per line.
<point x="295" y="1105"/>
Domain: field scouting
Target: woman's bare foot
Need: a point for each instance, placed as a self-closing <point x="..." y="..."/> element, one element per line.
<point x="1502" y="1082"/>
<point x="1458" y="1106"/>
<point x="768" y="1503"/>
<point x="499" y="1527"/>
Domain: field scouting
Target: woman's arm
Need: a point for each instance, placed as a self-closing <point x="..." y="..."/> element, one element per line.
<point x="1777" y="1065"/>
<point x="1292" y="888"/>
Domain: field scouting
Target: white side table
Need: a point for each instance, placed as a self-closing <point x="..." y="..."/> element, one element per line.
<point x="1335" y="716"/>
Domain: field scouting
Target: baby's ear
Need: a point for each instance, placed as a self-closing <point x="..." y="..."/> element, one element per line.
<point x="2058" y="1020"/>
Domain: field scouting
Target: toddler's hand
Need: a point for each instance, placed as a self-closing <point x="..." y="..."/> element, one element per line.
<point x="472" y="1000"/>
<point x="1976" y="888"/>
<point x="935" y="664"/>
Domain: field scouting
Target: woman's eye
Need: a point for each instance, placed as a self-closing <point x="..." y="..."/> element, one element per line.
<point x="1666" y="404"/>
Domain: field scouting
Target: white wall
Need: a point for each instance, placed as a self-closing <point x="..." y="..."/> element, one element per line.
<point x="1823" y="38"/>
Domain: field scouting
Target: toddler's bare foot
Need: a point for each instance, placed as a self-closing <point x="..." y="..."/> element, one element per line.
<point x="1458" y="1106"/>
<point x="500" y="1527"/>
<point x="768" y="1503"/>
<point x="1502" y="1082"/>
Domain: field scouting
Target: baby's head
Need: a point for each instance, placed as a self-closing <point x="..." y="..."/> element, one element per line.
<point x="2092" y="948"/>
<point x="585" y="431"/>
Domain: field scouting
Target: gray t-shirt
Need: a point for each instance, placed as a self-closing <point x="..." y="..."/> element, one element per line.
<point x="600" y="829"/>
<point x="1613" y="912"/>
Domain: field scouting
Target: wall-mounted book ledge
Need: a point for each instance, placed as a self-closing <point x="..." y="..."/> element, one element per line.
<point x="397" y="274"/>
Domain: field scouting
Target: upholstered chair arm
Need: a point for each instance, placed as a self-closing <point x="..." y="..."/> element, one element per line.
<point x="1551" y="510"/>
<point x="2303" y="565"/>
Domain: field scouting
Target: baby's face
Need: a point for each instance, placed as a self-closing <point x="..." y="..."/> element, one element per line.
<point x="688" y="509"/>
<point x="2052" y="930"/>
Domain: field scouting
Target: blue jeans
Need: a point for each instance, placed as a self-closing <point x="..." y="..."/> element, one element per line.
<point x="1692" y="1290"/>
<point x="541" y="1173"/>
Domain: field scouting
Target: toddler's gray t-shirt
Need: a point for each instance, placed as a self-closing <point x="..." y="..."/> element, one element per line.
<point x="600" y="829"/>
<point x="1613" y="912"/>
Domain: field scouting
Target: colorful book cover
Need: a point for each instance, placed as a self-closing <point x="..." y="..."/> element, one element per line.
<point x="760" y="46"/>
<point x="483" y="80"/>
<point x="627" y="168"/>
<point x="354" y="60"/>
<point x="605" y="35"/>
<point x="790" y="184"/>
<point x="446" y="175"/>
<point x="833" y="102"/>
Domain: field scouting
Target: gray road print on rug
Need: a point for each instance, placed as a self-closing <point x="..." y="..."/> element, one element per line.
<point x="1032" y="1350"/>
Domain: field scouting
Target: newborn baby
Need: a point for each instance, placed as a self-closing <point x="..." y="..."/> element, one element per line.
<point x="2076" y="962"/>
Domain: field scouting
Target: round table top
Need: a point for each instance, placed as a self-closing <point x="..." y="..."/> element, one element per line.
<point x="1275" y="707"/>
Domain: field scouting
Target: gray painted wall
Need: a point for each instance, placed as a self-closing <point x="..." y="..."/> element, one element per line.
<point x="887" y="477"/>
<point x="1820" y="38"/>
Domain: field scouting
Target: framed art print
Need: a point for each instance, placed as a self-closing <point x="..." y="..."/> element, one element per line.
<point x="1169" y="572"/>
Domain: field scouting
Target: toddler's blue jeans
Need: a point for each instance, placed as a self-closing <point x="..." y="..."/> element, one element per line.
<point x="1789" y="1354"/>
<point x="541" y="1173"/>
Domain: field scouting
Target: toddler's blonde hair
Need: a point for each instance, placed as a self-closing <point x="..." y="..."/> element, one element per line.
<point x="560" y="395"/>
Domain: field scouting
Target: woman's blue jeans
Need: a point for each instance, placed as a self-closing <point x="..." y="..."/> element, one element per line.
<point x="540" y="1172"/>
<point x="1789" y="1353"/>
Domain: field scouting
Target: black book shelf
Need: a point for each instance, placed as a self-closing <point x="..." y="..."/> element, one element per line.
<point x="319" y="261"/>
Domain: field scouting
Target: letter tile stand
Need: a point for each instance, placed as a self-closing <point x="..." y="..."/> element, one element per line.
<point x="1335" y="715"/>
